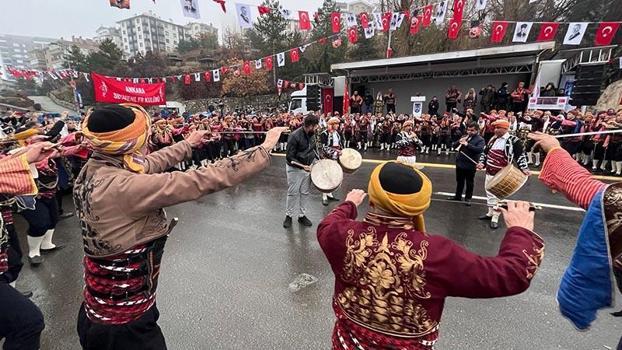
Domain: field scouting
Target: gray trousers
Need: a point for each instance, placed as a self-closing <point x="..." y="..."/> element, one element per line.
<point x="298" y="184"/>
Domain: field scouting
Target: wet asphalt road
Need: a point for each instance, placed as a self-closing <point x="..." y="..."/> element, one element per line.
<point x="228" y="264"/>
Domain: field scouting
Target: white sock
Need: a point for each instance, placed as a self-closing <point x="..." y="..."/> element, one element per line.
<point x="490" y="212"/>
<point x="537" y="158"/>
<point x="12" y="284"/>
<point x="619" y="165"/>
<point x="603" y="166"/>
<point x="529" y="158"/>
<point x="47" y="240"/>
<point x="595" y="164"/>
<point x="34" y="245"/>
<point x="495" y="218"/>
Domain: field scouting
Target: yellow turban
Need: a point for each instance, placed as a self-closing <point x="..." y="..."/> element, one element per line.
<point x="502" y="124"/>
<point x="402" y="204"/>
<point x="127" y="142"/>
<point x="22" y="137"/>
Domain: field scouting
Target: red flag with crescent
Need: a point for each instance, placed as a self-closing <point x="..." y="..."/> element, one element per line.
<point x="305" y="22"/>
<point x="353" y="35"/>
<point x="365" y="20"/>
<point x="263" y="10"/>
<point x="547" y="31"/>
<point x="454" y="29"/>
<point x="335" y="20"/>
<point x="294" y="55"/>
<point x="187" y="79"/>
<point x="427" y="16"/>
<point x="386" y="21"/>
<point x="207" y="76"/>
<point x="606" y="32"/>
<point x="415" y="24"/>
<point x="247" y="68"/>
<point x="498" y="31"/>
<point x="458" y="9"/>
<point x="224" y="70"/>
<point x="267" y="62"/>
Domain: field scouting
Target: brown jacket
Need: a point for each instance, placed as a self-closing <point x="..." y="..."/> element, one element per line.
<point x="119" y="209"/>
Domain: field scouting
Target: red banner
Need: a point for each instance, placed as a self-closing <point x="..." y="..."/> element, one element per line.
<point x="111" y="90"/>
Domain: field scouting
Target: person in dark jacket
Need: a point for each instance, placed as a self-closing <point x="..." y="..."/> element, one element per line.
<point x="433" y="106"/>
<point x="487" y="101"/>
<point x="471" y="146"/>
<point x="549" y="90"/>
<point x="502" y="97"/>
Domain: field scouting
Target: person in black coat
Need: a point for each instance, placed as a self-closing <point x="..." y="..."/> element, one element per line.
<point x="502" y="97"/>
<point x="471" y="146"/>
<point x="433" y="106"/>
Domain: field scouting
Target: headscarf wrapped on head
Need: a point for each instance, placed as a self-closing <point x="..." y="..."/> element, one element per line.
<point x="501" y="123"/>
<point x="120" y="130"/>
<point x="22" y="136"/>
<point x="402" y="190"/>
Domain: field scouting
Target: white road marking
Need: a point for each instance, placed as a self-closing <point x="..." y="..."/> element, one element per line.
<point x="543" y="205"/>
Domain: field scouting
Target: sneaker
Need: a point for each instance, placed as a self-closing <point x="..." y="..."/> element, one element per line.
<point x="485" y="217"/>
<point x="65" y="215"/>
<point x="494" y="225"/>
<point x="333" y="199"/>
<point x="288" y="222"/>
<point x="304" y="221"/>
<point x="468" y="202"/>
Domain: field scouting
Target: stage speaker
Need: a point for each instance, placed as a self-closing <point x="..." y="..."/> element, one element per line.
<point x="588" y="86"/>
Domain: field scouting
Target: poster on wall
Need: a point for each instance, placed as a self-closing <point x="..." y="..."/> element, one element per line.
<point x="417" y="105"/>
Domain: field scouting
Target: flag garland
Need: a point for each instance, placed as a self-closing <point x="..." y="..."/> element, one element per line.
<point x="417" y="19"/>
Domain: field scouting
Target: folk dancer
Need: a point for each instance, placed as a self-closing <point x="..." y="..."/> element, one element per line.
<point x="596" y="265"/>
<point x="470" y="149"/>
<point x="503" y="149"/>
<point x="119" y="197"/>
<point x="301" y="153"/>
<point x="332" y="144"/>
<point x="407" y="143"/>
<point x="21" y="321"/>
<point x="392" y="276"/>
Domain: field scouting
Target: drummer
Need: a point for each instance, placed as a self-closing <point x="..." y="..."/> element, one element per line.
<point x="301" y="153"/>
<point x="502" y="150"/>
<point x="332" y="144"/>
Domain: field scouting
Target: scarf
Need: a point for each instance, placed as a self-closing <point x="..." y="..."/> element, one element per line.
<point x="126" y="143"/>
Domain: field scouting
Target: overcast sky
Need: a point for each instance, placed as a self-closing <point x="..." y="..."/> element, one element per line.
<point x="62" y="18"/>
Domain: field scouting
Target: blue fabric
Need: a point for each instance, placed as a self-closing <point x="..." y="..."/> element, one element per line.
<point x="586" y="285"/>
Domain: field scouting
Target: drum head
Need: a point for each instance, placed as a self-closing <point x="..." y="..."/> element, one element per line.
<point x="326" y="175"/>
<point x="350" y="159"/>
<point x="499" y="177"/>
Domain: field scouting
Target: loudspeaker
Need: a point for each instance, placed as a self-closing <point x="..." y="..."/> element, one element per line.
<point x="589" y="81"/>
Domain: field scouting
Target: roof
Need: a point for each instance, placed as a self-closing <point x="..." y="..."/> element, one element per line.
<point x="449" y="57"/>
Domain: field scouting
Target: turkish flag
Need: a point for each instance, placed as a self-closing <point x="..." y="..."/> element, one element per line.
<point x="335" y="20"/>
<point x="498" y="31"/>
<point x="454" y="29"/>
<point x="303" y="18"/>
<point x="285" y="84"/>
<point x="246" y="68"/>
<point x="294" y="55"/>
<point x="353" y="35"/>
<point x="207" y="76"/>
<point x="365" y="20"/>
<point x="187" y="79"/>
<point x="386" y="21"/>
<point x="427" y="16"/>
<point x="458" y="9"/>
<point x="267" y="62"/>
<point x="606" y="32"/>
<point x="264" y="10"/>
<point x="224" y="70"/>
<point x="547" y="31"/>
<point x="415" y="24"/>
<point x="346" y="100"/>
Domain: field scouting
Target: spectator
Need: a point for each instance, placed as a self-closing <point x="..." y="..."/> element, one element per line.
<point x="433" y="106"/>
<point x="452" y="98"/>
<point x="487" y="100"/>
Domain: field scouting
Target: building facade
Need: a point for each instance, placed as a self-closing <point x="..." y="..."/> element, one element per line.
<point x="195" y="29"/>
<point x="15" y="49"/>
<point x="355" y="7"/>
<point x="146" y="32"/>
<point x="111" y="33"/>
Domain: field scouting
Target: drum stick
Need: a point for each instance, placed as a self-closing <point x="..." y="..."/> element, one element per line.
<point x="469" y="158"/>
<point x="532" y="207"/>
<point x="617" y="131"/>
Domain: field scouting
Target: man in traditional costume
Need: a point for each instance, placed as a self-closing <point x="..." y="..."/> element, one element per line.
<point x="502" y="150"/>
<point x="332" y="144"/>
<point x="596" y="265"/>
<point x="407" y="143"/>
<point x="119" y="197"/>
<point x="21" y="321"/>
<point x="392" y="277"/>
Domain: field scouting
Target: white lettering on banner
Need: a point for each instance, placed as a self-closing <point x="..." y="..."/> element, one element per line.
<point x="137" y="99"/>
<point x="134" y="90"/>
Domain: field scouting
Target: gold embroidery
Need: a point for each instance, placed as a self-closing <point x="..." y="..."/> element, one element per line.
<point x="389" y="280"/>
<point x="534" y="261"/>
